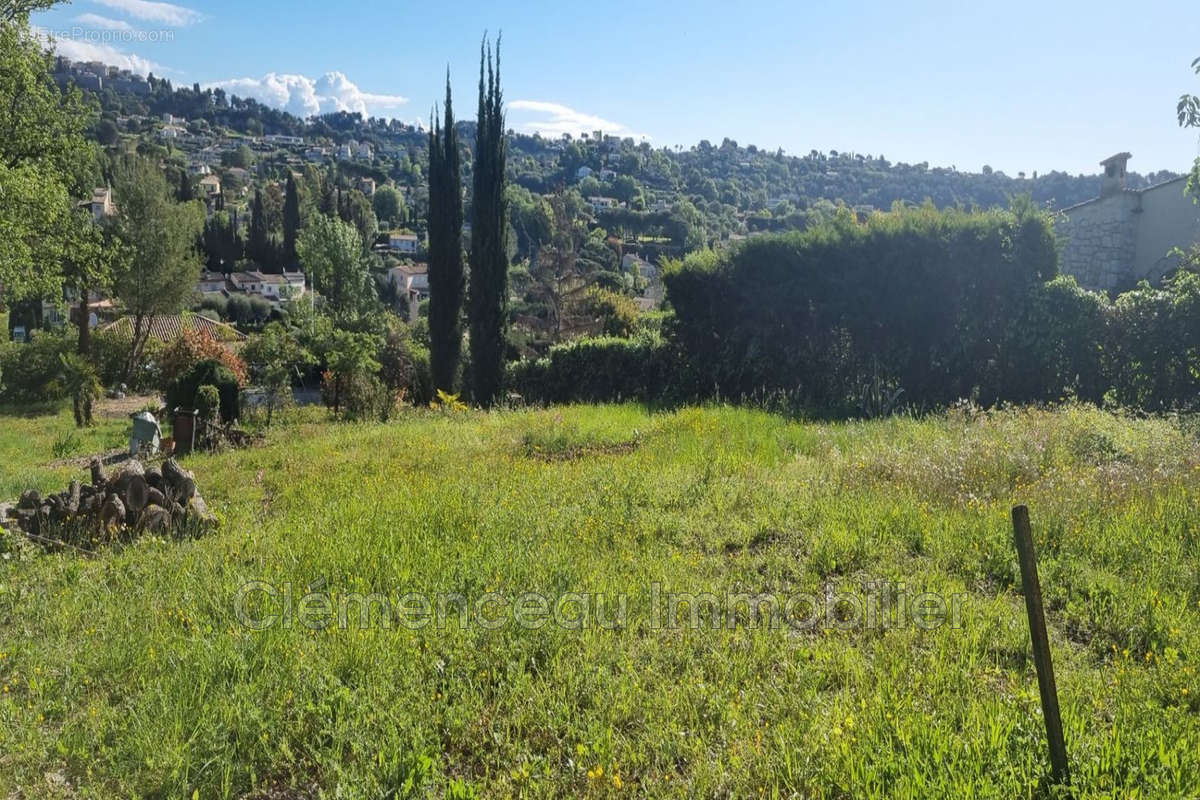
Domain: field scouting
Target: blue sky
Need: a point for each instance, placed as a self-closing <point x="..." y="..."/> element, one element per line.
<point x="1019" y="85"/>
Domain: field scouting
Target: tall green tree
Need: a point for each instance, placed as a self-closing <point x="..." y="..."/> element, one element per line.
<point x="487" y="306"/>
<point x="94" y="257"/>
<point x="258" y="244"/>
<point x="160" y="274"/>
<point x="332" y="254"/>
<point x="291" y="220"/>
<point x="44" y="162"/>
<point x="447" y="280"/>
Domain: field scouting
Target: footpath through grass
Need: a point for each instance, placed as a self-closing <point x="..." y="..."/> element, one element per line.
<point x="130" y="674"/>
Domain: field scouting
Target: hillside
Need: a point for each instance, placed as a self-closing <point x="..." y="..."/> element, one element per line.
<point x="129" y="673"/>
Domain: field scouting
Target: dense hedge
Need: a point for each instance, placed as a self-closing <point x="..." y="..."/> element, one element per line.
<point x="918" y="300"/>
<point x="916" y="309"/>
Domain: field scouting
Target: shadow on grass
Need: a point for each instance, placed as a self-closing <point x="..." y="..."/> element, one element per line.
<point x="41" y="408"/>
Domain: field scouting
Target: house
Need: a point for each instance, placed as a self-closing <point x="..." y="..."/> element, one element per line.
<point x="411" y="279"/>
<point x="315" y="154"/>
<point x="101" y="204"/>
<point x="210" y="283"/>
<point x="363" y="152"/>
<point x="599" y="204"/>
<point x="210" y="185"/>
<point x="270" y="287"/>
<point x="583" y="172"/>
<point x="403" y="242"/>
<point x="1127" y="235"/>
<point x="198" y="168"/>
<point x="167" y="328"/>
<point x="345" y="152"/>
<point x="295" y="283"/>
<point x="367" y="186"/>
<point x="169" y="120"/>
<point x="606" y="174"/>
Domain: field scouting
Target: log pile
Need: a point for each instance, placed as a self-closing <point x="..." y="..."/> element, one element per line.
<point x="134" y="500"/>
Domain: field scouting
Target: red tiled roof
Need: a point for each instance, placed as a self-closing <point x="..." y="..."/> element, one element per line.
<point x="169" y="327"/>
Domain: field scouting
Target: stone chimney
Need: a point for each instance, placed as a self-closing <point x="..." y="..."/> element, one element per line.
<point x="1114" y="174"/>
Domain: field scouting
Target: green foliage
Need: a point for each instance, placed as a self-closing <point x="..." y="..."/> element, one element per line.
<point x="604" y="369"/>
<point x="389" y="205"/>
<point x="924" y="299"/>
<point x="159" y="277"/>
<point x="31" y="372"/>
<point x="487" y="301"/>
<point x="350" y="383"/>
<point x="274" y="357"/>
<point x="333" y="258"/>
<point x="82" y="384"/>
<point x="207" y="402"/>
<point x="447" y="279"/>
<point x="44" y="161"/>
<point x="184" y="391"/>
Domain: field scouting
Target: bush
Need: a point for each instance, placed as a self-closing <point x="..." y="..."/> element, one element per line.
<point x="182" y="393"/>
<point x="32" y="372"/>
<point x="193" y="347"/>
<point x="605" y="369"/>
<point x="110" y="349"/>
<point x="208" y="401"/>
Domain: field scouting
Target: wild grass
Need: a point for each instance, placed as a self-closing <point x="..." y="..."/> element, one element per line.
<point x="129" y="674"/>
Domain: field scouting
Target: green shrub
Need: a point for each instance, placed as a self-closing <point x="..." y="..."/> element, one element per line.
<point x="182" y="393"/>
<point x="208" y="401"/>
<point x="605" y="369"/>
<point x="31" y="372"/>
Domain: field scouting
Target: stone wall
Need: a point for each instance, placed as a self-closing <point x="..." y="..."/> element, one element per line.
<point x="1099" y="241"/>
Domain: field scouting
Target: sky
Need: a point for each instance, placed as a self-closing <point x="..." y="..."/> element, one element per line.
<point x="1020" y="85"/>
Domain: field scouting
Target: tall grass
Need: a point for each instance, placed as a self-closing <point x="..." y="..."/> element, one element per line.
<point x="129" y="675"/>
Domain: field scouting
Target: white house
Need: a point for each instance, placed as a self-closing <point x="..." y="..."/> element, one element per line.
<point x="367" y="186"/>
<point x="315" y="154"/>
<point x="403" y="242"/>
<point x="363" y="152"/>
<point x="101" y="204"/>
<point x="412" y="279"/>
<point x="599" y="204"/>
<point x="644" y="268"/>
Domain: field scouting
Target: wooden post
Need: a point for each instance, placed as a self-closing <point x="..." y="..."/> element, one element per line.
<point x="1041" y="644"/>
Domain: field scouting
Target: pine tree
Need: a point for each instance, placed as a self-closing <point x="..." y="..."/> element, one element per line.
<point x="291" y="221"/>
<point x="447" y="281"/>
<point x="487" y="306"/>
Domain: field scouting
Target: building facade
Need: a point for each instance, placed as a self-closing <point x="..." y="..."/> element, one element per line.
<point x="1126" y="235"/>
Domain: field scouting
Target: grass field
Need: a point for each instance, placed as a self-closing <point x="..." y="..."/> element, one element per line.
<point x="131" y="674"/>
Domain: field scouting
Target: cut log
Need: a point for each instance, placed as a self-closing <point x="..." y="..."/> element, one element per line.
<point x="181" y="484"/>
<point x="155" y="519"/>
<point x="154" y="478"/>
<point x="98" y="476"/>
<point x="112" y="514"/>
<point x="155" y="497"/>
<point x="30" y="498"/>
<point x="136" y="492"/>
<point x="74" y="495"/>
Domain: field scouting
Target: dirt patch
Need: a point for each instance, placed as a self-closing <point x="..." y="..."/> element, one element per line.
<point x="576" y="452"/>
<point x="114" y="408"/>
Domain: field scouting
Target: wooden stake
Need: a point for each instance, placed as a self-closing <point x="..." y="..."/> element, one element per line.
<point x="1041" y="644"/>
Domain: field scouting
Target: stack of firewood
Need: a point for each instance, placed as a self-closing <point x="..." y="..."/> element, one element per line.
<point x="134" y="499"/>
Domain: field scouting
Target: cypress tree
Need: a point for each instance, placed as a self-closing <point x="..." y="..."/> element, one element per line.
<point x="447" y="281"/>
<point x="291" y="221"/>
<point x="258" y="248"/>
<point x="488" y="296"/>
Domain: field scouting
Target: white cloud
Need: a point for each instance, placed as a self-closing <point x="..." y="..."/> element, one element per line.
<point x="81" y="50"/>
<point x="104" y="23"/>
<point x="304" y="96"/>
<point x="555" y="119"/>
<point x="167" y="13"/>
